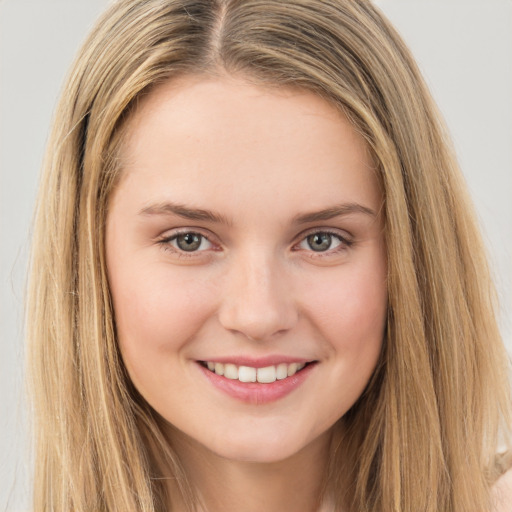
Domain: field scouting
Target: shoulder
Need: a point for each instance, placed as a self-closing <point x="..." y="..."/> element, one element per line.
<point x="502" y="493"/>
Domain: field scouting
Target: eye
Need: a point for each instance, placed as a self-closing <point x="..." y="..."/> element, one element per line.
<point x="188" y="242"/>
<point x="319" y="242"/>
<point x="323" y="241"/>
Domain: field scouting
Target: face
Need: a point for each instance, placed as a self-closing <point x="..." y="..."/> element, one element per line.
<point x="247" y="265"/>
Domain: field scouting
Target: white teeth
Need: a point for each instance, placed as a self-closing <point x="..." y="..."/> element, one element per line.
<point x="292" y="369"/>
<point x="246" y="374"/>
<point x="265" y="375"/>
<point x="281" y="371"/>
<point x="231" y="371"/>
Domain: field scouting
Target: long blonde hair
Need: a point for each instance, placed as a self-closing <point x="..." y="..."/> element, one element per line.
<point x="424" y="435"/>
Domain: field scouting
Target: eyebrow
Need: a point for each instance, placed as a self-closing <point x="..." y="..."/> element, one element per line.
<point x="169" y="208"/>
<point x="335" y="211"/>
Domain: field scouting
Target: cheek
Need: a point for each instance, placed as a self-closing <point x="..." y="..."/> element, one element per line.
<point x="352" y="323"/>
<point x="157" y="312"/>
<point x="350" y="311"/>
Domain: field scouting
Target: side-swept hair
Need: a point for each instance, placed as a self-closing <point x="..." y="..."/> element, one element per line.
<point x="424" y="435"/>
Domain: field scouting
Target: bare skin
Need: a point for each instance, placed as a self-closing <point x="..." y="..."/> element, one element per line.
<point x="252" y="487"/>
<point x="502" y="493"/>
<point x="245" y="233"/>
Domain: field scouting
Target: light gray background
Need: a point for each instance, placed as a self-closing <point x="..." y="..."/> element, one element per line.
<point x="464" y="48"/>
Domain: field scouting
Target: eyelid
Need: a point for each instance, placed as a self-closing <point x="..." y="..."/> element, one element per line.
<point x="341" y="233"/>
<point x="170" y="235"/>
<point x="345" y="238"/>
<point x="164" y="240"/>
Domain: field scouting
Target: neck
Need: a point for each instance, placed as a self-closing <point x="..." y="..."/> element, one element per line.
<point x="222" y="484"/>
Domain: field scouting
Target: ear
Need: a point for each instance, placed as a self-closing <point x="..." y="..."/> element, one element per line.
<point x="502" y="493"/>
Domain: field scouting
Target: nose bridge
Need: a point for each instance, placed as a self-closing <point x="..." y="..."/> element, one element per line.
<point x="257" y="301"/>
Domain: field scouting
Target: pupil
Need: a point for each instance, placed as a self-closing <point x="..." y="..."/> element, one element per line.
<point x="188" y="242"/>
<point x="319" y="241"/>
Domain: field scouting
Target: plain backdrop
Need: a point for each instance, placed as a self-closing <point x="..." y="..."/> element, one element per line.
<point x="464" y="48"/>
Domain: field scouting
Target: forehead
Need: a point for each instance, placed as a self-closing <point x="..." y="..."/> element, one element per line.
<point x="195" y="136"/>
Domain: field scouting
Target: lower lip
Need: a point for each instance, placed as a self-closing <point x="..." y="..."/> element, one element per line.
<point x="257" y="393"/>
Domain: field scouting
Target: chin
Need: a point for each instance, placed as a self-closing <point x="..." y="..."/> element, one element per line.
<point x="262" y="449"/>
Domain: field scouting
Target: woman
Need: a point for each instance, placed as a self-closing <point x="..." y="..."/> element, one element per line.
<point x="256" y="279"/>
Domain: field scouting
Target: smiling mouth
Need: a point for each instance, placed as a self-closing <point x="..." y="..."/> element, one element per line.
<point x="265" y="375"/>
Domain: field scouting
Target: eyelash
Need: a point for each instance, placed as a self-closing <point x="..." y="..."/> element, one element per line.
<point x="345" y="243"/>
<point x="165" y="243"/>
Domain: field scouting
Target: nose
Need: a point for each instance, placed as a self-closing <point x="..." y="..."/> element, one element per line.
<point x="258" y="300"/>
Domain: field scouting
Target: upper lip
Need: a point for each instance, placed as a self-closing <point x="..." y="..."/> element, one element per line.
<point x="258" y="362"/>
